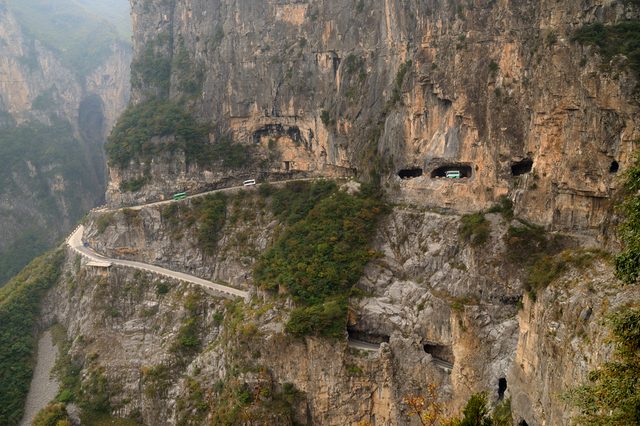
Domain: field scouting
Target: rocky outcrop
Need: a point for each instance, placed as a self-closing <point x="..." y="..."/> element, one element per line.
<point x="159" y="235"/>
<point x="561" y="338"/>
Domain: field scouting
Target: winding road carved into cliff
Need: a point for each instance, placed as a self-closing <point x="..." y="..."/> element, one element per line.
<point x="96" y="259"/>
<point x="75" y="242"/>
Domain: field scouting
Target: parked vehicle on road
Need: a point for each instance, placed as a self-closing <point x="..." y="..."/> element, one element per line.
<point x="249" y="182"/>
<point x="179" y="196"/>
<point x="453" y="174"/>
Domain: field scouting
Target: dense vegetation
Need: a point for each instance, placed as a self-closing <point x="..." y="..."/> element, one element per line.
<point x="212" y="213"/>
<point x="611" y="40"/>
<point x="430" y="410"/>
<point x="32" y="242"/>
<point x="612" y="395"/>
<point x="52" y="165"/>
<point x="292" y="203"/>
<point x="132" y="137"/>
<point x="475" y="229"/>
<point x="320" y="257"/>
<point x="628" y="261"/>
<point x="152" y="68"/>
<point x="137" y="132"/>
<point x="54" y="414"/>
<point x="88" y="389"/>
<point x="19" y="309"/>
<point x="76" y="30"/>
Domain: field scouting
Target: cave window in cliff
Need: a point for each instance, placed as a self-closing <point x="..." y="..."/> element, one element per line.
<point x="410" y="173"/>
<point x="502" y="387"/>
<point x="522" y="167"/>
<point x="614" y="167"/>
<point x="441" y="172"/>
<point x="287" y="165"/>
<point x="441" y="354"/>
<point x="367" y="336"/>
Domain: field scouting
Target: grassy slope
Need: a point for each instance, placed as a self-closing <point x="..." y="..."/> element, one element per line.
<point x="19" y="309"/>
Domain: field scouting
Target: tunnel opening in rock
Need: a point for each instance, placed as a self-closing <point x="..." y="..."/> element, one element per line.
<point x="522" y="167"/>
<point x="287" y="165"/>
<point x="522" y="423"/>
<point x="441" y="354"/>
<point x="277" y="130"/>
<point x="614" y="167"/>
<point x="449" y="170"/>
<point x="502" y="387"/>
<point x="410" y="173"/>
<point x="367" y="336"/>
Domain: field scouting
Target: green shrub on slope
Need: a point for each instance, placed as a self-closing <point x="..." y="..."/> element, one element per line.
<point x="620" y="39"/>
<point x="131" y="138"/>
<point x="612" y="394"/>
<point x="628" y="261"/>
<point x="475" y="228"/>
<point x="319" y="259"/>
<point x="135" y="137"/>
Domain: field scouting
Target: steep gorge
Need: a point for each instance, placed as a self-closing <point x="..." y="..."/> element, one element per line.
<point x="396" y="93"/>
<point x="55" y="120"/>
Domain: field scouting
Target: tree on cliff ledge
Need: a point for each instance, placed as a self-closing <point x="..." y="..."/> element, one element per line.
<point x="612" y="395"/>
<point x="628" y="261"/>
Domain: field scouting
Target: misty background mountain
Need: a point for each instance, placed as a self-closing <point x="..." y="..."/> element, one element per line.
<point x="64" y="67"/>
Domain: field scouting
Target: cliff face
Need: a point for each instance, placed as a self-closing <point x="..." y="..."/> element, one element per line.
<point x="445" y="313"/>
<point x="495" y="89"/>
<point x="53" y="124"/>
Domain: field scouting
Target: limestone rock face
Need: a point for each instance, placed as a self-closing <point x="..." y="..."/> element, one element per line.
<point x="444" y="311"/>
<point x="496" y="90"/>
<point x="561" y="338"/>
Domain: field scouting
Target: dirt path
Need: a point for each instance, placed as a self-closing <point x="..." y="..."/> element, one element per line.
<point x="43" y="388"/>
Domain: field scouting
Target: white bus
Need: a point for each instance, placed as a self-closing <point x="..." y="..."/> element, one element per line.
<point x="249" y="182"/>
<point x="453" y="174"/>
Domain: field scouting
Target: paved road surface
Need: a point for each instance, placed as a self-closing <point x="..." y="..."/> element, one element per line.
<point x="75" y="242"/>
<point x="365" y="346"/>
<point x="442" y="363"/>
